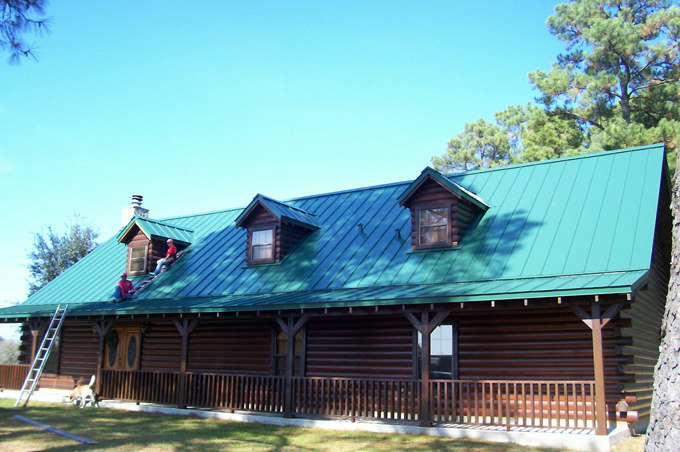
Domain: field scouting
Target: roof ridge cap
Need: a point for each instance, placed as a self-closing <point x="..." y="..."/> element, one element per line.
<point x="558" y="159"/>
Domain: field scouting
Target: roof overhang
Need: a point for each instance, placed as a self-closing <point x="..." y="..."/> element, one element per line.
<point x="279" y="210"/>
<point x="581" y="285"/>
<point x="154" y="229"/>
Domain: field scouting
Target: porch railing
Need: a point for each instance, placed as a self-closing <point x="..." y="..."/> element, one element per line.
<point x="512" y="403"/>
<point x="12" y="376"/>
<point x="507" y="403"/>
<point x="384" y="399"/>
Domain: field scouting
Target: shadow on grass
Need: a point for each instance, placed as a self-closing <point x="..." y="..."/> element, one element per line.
<point x="124" y="431"/>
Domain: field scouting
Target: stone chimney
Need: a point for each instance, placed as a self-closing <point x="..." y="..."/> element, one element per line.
<point x="134" y="209"/>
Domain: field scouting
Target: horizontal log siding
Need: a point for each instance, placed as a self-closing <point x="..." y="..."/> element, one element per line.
<point x="357" y="347"/>
<point x="26" y="345"/>
<point x="241" y="347"/>
<point x="540" y="344"/>
<point x="289" y="236"/>
<point x="646" y="314"/>
<point x="161" y="347"/>
<point x="78" y="350"/>
<point x="466" y="214"/>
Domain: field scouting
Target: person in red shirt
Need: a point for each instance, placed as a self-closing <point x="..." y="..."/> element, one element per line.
<point x="124" y="289"/>
<point x="169" y="257"/>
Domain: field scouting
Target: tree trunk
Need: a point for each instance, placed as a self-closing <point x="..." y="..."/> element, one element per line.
<point x="663" y="433"/>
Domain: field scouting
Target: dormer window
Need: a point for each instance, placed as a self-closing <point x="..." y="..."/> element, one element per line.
<point x="441" y="210"/>
<point x="273" y="229"/>
<point x="433" y="226"/>
<point x="262" y="246"/>
<point x="146" y="241"/>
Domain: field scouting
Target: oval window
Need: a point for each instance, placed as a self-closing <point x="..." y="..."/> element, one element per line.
<point x="113" y="353"/>
<point x="132" y="352"/>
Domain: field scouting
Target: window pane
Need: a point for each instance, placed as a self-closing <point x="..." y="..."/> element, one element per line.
<point x="132" y="352"/>
<point x="261" y="252"/>
<point x="281" y="365"/>
<point x="136" y="265"/>
<point x="441" y="352"/>
<point x="281" y="346"/>
<point x="433" y="226"/>
<point x="263" y="237"/>
<point x="137" y="252"/>
<point x="432" y="217"/>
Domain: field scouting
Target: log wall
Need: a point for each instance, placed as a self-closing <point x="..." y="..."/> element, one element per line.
<point x="238" y="346"/>
<point x="539" y="344"/>
<point x="646" y="313"/>
<point x="78" y="350"/>
<point x="360" y="347"/>
<point x="161" y="347"/>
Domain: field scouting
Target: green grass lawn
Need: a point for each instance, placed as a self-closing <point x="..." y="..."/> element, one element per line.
<point x="116" y="430"/>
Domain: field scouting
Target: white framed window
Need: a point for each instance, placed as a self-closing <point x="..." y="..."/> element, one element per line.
<point x="262" y="245"/>
<point x="137" y="260"/>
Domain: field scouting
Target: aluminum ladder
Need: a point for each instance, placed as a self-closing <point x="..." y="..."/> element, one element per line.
<point x="41" y="357"/>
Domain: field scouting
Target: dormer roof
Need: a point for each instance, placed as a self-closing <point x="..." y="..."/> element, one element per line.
<point x="434" y="175"/>
<point x="155" y="229"/>
<point x="282" y="211"/>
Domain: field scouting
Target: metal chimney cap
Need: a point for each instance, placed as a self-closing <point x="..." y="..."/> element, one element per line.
<point x="137" y="200"/>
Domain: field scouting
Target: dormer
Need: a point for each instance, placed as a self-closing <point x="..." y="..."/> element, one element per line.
<point x="146" y="242"/>
<point x="273" y="229"/>
<point x="441" y="210"/>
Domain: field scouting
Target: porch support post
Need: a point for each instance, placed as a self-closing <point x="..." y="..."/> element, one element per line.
<point x="102" y="328"/>
<point x="290" y="328"/>
<point x="425" y="327"/>
<point x="596" y="321"/>
<point x="185" y="328"/>
<point x="34" y="326"/>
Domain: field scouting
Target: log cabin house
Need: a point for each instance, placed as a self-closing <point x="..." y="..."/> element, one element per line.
<point x="528" y="295"/>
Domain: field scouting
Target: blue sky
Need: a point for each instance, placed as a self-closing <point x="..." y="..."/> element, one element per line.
<point x="200" y="106"/>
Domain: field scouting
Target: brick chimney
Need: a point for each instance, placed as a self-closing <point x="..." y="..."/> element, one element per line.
<point x="134" y="209"/>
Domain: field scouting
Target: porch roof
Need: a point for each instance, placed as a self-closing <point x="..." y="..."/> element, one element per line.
<point x="579" y="225"/>
<point x="470" y="291"/>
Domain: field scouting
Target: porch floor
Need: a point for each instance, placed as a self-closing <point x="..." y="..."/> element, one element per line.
<point x="585" y="440"/>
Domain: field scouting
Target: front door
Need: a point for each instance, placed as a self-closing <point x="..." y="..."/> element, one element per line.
<point x="122" y="348"/>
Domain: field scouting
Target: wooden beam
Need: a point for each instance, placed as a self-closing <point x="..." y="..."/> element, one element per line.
<point x="425" y="402"/>
<point x="290" y="362"/>
<point x="596" y="321"/>
<point x="611" y="312"/>
<point x="185" y="328"/>
<point x="581" y="314"/>
<point x="102" y="328"/>
<point x="598" y="366"/>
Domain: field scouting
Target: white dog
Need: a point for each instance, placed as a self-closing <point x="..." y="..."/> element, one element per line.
<point x="84" y="394"/>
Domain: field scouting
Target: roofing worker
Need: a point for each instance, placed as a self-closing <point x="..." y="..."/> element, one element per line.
<point x="124" y="289"/>
<point x="169" y="257"/>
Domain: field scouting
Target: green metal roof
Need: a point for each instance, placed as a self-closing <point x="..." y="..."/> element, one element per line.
<point x="573" y="226"/>
<point x="281" y="211"/>
<point x="157" y="229"/>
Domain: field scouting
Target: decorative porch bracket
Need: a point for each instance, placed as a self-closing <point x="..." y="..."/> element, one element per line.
<point x="425" y="327"/>
<point x="595" y="321"/>
<point x="290" y="328"/>
<point x="185" y="328"/>
<point x="101" y="328"/>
